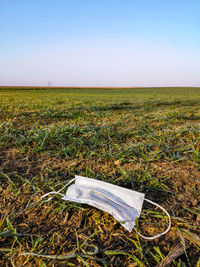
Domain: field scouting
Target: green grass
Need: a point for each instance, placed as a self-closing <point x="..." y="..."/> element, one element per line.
<point x="145" y="139"/>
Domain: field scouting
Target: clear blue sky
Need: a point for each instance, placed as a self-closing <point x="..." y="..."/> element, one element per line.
<point x="100" y="42"/>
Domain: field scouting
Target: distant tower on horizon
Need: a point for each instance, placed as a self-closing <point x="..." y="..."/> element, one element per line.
<point x="49" y="84"/>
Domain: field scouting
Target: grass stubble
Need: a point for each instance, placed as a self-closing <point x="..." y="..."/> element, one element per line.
<point x="145" y="139"/>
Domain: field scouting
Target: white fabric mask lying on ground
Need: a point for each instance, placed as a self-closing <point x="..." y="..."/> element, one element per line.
<point x="123" y="204"/>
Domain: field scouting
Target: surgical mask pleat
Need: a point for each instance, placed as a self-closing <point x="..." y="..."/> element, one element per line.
<point x="105" y="201"/>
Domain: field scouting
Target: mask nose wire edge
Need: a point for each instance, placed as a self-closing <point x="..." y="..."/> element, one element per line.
<point x="163" y="233"/>
<point x="56" y="192"/>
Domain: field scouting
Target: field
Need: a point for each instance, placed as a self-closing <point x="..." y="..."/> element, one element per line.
<point x="145" y="139"/>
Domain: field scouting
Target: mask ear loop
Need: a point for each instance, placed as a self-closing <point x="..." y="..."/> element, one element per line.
<point x="56" y="193"/>
<point x="163" y="233"/>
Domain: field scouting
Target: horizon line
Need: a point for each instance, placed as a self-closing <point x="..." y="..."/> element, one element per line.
<point x="85" y="87"/>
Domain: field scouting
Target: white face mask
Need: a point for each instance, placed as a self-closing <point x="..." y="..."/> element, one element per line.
<point x="123" y="204"/>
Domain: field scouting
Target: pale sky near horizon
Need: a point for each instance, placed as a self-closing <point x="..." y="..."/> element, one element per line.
<point x="100" y="42"/>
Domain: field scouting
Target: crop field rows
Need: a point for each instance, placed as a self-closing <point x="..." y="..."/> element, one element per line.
<point x="145" y="139"/>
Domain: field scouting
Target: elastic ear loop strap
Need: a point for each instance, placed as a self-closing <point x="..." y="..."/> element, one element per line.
<point x="146" y="237"/>
<point x="56" y="193"/>
<point x="163" y="233"/>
